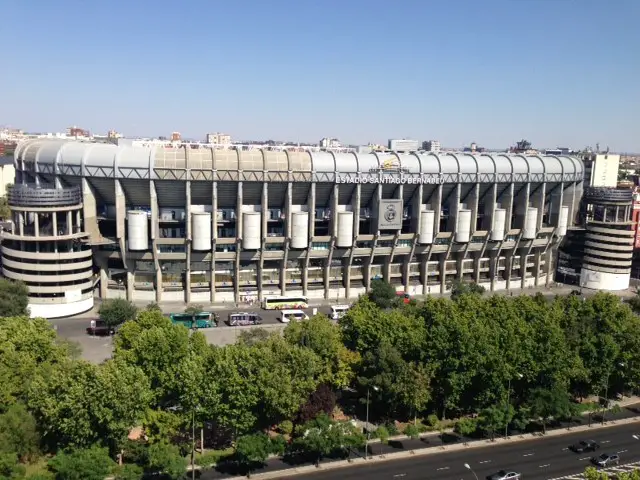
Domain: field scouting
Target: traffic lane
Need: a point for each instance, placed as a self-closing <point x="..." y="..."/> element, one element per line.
<point x="540" y="458"/>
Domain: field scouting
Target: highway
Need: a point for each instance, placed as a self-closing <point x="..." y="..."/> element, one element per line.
<point x="541" y="458"/>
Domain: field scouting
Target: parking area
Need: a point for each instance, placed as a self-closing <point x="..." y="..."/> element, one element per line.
<point x="98" y="349"/>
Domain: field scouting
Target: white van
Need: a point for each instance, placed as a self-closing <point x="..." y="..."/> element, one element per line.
<point x="338" y="311"/>
<point x="287" y="315"/>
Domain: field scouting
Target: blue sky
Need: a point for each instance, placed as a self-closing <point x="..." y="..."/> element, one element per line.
<point x="556" y="72"/>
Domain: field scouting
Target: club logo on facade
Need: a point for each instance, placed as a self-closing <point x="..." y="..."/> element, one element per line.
<point x="391" y="213"/>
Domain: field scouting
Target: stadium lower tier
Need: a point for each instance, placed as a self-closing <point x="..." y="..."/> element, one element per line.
<point x="246" y="280"/>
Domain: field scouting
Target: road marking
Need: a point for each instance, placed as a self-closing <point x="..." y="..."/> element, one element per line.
<point x="484" y="461"/>
<point x="606" y="441"/>
<point x="623" y="451"/>
<point x="585" y="458"/>
<point x="527" y="454"/>
<point x="543" y="466"/>
<point x="443" y="468"/>
<point x="400" y="475"/>
<point x="565" y="449"/>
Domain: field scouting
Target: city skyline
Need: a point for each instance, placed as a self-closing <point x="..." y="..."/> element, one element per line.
<point x="491" y="73"/>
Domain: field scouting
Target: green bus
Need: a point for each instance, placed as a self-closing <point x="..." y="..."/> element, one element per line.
<point x="285" y="303"/>
<point x="200" y="320"/>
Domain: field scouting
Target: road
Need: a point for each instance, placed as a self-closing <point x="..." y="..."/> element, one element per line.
<point x="541" y="458"/>
<point x="98" y="349"/>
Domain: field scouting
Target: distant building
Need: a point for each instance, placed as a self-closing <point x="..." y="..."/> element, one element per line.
<point x="329" y="143"/>
<point x="404" y="145"/>
<point x="112" y="134"/>
<point x="601" y="169"/>
<point x="473" y="148"/>
<point x="431" y="146"/>
<point x="218" y="139"/>
<point x="176" y="137"/>
<point x="78" y="132"/>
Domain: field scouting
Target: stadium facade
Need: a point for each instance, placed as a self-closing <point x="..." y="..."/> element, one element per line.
<point x="199" y="224"/>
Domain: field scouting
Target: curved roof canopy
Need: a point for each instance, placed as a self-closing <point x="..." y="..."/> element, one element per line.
<point x="82" y="154"/>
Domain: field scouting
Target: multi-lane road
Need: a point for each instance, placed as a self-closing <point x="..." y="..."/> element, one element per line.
<point x="541" y="458"/>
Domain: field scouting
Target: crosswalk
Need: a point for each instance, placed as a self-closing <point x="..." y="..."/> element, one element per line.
<point x="612" y="471"/>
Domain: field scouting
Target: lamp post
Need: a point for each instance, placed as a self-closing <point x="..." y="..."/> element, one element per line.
<point x="506" y="427"/>
<point x="468" y="467"/>
<point x="193" y="444"/>
<point x="606" y="392"/>
<point x="366" y="447"/>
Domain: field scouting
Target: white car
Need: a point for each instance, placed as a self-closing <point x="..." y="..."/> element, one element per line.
<point x="505" y="475"/>
<point x="605" y="460"/>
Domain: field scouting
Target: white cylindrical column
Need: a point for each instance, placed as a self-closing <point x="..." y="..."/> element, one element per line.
<point x="345" y="229"/>
<point x="530" y="224"/>
<point x="138" y="230"/>
<point x="563" y="221"/>
<point x="499" y="222"/>
<point x="251" y="230"/>
<point x="426" y="227"/>
<point x="463" y="226"/>
<point x="299" y="230"/>
<point x="201" y="231"/>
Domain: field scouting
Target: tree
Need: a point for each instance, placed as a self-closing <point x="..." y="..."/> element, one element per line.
<point x="256" y="335"/>
<point x="459" y="288"/>
<point x="322" y="400"/>
<point x="129" y="472"/>
<point x="153" y="306"/>
<point x="18" y="433"/>
<point x="5" y="210"/>
<point x="383" y="294"/>
<point x="252" y="450"/>
<point x="324" y="337"/>
<point x="592" y="473"/>
<point x="9" y="466"/>
<point x="14" y="298"/>
<point x="549" y="403"/>
<point x="194" y="310"/>
<point x="166" y="459"/>
<point x="85" y="464"/>
<point x="117" y="311"/>
<point x="495" y="418"/>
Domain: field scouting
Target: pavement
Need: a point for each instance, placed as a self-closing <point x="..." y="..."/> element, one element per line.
<point x="531" y="454"/>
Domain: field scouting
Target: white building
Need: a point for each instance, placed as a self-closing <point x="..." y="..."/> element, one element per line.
<point x="218" y="139"/>
<point x="431" y="146"/>
<point x="329" y="143"/>
<point x="601" y="169"/>
<point x="404" y="145"/>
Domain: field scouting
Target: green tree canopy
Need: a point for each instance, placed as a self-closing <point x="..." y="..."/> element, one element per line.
<point x="85" y="464"/>
<point x="14" y="298"/>
<point x="117" y="311"/>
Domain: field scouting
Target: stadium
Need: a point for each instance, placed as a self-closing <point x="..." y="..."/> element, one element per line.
<point x="197" y="223"/>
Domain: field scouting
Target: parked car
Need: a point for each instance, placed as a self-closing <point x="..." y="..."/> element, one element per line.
<point x="505" y="475"/>
<point x="606" y="460"/>
<point x="100" y="329"/>
<point x="584" y="446"/>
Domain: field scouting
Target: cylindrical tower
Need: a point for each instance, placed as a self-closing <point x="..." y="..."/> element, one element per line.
<point x="608" y="246"/>
<point x="300" y="230"/>
<point x="201" y="224"/>
<point x="345" y="229"/>
<point x="499" y="222"/>
<point x="426" y="227"/>
<point x="47" y="249"/>
<point x="463" y="226"/>
<point x="251" y="230"/>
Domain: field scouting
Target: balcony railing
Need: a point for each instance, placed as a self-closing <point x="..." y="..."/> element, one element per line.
<point x="31" y="195"/>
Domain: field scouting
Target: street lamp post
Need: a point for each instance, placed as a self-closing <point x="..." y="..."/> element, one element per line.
<point x="606" y="393"/>
<point x="468" y="467"/>
<point x="366" y="448"/>
<point x="506" y="427"/>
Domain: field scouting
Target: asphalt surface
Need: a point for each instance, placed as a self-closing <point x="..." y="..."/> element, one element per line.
<point x="98" y="349"/>
<point x="541" y="458"/>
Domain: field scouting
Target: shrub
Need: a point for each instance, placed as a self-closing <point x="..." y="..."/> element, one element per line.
<point x="412" y="431"/>
<point x="128" y="472"/>
<point x="285" y="427"/>
<point x="432" y="421"/>
<point x="211" y="458"/>
<point x="277" y="445"/>
<point x="392" y="429"/>
<point x="466" y="426"/>
<point x="84" y="464"/>
<point x="382" y="433"/>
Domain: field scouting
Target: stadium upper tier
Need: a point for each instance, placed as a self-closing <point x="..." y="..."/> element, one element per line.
<point x="76" y="158"/>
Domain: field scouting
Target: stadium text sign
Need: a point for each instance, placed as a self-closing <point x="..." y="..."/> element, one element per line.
<point x="393" y="179"/>
<point x="390" y="171"/>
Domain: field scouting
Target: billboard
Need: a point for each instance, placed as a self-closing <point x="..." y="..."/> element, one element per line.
<point x="390" y="215"/>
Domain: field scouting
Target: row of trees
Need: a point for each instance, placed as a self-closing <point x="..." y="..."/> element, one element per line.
<point x="510" y="360"/>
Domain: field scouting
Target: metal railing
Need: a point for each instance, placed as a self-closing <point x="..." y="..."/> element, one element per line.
<point x="31" y="195"/>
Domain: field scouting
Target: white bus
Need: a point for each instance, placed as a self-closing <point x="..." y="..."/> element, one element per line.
<point x="287" y="315"/>
<point x="280" y="303"/>
<point x="240" y="319"/>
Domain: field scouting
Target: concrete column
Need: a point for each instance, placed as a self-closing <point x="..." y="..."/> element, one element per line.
<point x="443" y="272"/>
<point x="187" y="242"/>
<point x="507" y="204"/>
<point x="69" y="224"/>
<point x="130" y="280"/>
<point x="239" y="227"/>
<point x="355" y="205"/>
<point x="54" y="222"/>
<point x="36" y="224"/>
<point x="104" y="283"/>
<point x="158" y="285"/>
<point x="438" y="210"/>
<point x="214" y="233"/>
<point x="474" y="202"/>
<point x="89" y="211"/>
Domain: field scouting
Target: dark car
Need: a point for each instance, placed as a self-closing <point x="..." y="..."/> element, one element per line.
<point x="605" y="460"/>
<point x="584" y="446"/>
<point x="100" y="329"/>
<point x="505" y="475"/>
